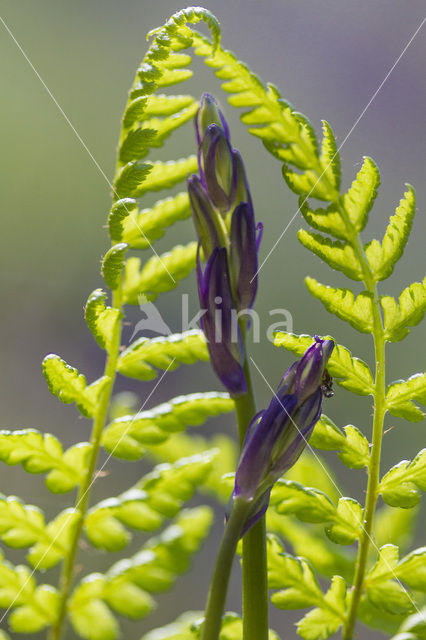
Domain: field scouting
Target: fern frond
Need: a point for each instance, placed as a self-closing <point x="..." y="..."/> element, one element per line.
<point x="342" y="303"/>
<point x="101" y="320"/>
<point x="287" y="134"/>
<point x="130" y="178"/>
<point x="351" y="373"/>
<point x="330" y="157"/>
<point x="401" y="486"/>
<point x="382" y="256"/>
<point x="70" y="386"/>
<point x="165" y="175"/>
<point x="42" y="453"/>
<point x="327" y="220"/>
<point x="353" y="446"/>
<point x="141" y="359"/>
<point x="34" y="607"/>
<point x="128" y="437"/>
<point x="126" y="587"/>
<point x="159" y="274"/>
<point x="153" y="134"/>
<point x="311" y="505"/>
<point x="113" y="263"/>
<point x="156" y="105"/>
<point x="402" y="394"/>
<point x="140" y="229"/>
<point x="359" y="199"/>
<point x="23" y="526"/>
<point x="305" y="184"/>
<point x="181" y="445"/>
<point x="299" y="588"/>
<point x="398" y="319"/>
<point x="337" y="254"/>
<point x="56" y="542"/>
<point x="158" y="495"/>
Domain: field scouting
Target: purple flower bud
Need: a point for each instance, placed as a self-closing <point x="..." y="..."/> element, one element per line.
<point x="209" y="113"/>
<point x="217" y="166"/>
<point x="219" y="322"/>
<point x="204" y="216"/>
<point x="277" y="436"/>
<point x="243" y="255"/>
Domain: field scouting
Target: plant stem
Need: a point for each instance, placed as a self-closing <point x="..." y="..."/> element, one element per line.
<point x="222" y="571"/>
<point x="83" y="497"/>
<point x="255" y="579"/>
<point x="379" y="414"/>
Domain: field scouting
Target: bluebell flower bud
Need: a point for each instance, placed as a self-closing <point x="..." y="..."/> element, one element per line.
<point x="277" y="436"/>
<point x="218" y="169"/>
<point x="207" y="114"/>
<point x="243" y="255"/>
<point x="219" y="322"/>
<point x="206" y="222"/>
<point x="223" y="214"/>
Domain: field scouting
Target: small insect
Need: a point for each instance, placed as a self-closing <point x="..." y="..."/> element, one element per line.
<point x="327" y="385"/>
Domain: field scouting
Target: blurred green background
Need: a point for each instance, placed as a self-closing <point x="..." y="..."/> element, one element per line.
<point x="327" y="58"/>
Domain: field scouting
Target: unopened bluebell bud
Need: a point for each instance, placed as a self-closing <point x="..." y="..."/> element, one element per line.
<point x="223" y="214"/>
<point x="277" y="436"/>
<point x="207" y="114"/>
<point x="219" y="324"/>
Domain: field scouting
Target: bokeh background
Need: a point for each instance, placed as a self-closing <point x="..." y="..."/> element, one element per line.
<point x="327" y="57"/>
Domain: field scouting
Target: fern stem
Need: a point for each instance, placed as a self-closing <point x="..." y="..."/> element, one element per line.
<point x="378" y="419"/>
<point x="255" y="579"/>
<point x="83" y="497"/>
<point x="222" y="571"/>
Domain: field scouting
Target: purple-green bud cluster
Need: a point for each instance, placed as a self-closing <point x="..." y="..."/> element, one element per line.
<point x="223" y="214"/>
<point x="277" y="436"/>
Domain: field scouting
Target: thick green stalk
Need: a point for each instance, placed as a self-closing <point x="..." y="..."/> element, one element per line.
<point x="83" y="497"/>
<point x="220" y="580"/>
<point x="255" y="582"/>
<point x="378" y="419"/>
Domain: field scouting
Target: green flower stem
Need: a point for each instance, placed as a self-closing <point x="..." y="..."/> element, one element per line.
<point x="219" y="584"/>
<point x="83" y="497"/>
<point x="255" y="578"/>
<point x="378" y="419"/>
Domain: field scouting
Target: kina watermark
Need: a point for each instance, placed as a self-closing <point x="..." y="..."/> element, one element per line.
<point x="152" y="320"/>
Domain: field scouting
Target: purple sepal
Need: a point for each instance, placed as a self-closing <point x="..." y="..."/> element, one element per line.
<point x="219" y="322"/>
<point x="243" y="255"/>
<point x="203" y="215"/>
<point x="217" y="167"/>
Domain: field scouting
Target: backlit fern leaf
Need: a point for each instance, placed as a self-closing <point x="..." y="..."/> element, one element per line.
<point x="342" y="302"/>
<point x="359" y="199"/>
<point x="101" y="320"/>
<point x="159" y="274"/>
<point x="158" y="495"/>
<point x="141" y="359"/>
<point x="127" y="437"/>
<point x="337" y="254"/>
<point x="70" y="386"/>
<point x="126" y="587"/>
<point x="181" y="445"/>
<point x="43" y="453"/>
<point x="139" y="229"/>
<point x="382" y="256"/>
<point x="34" y="607"/>
<point x="23" y="526"/>
<point x="399" y="318"/>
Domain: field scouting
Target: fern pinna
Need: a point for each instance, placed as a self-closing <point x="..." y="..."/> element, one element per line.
<point x="334" y="537"/>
